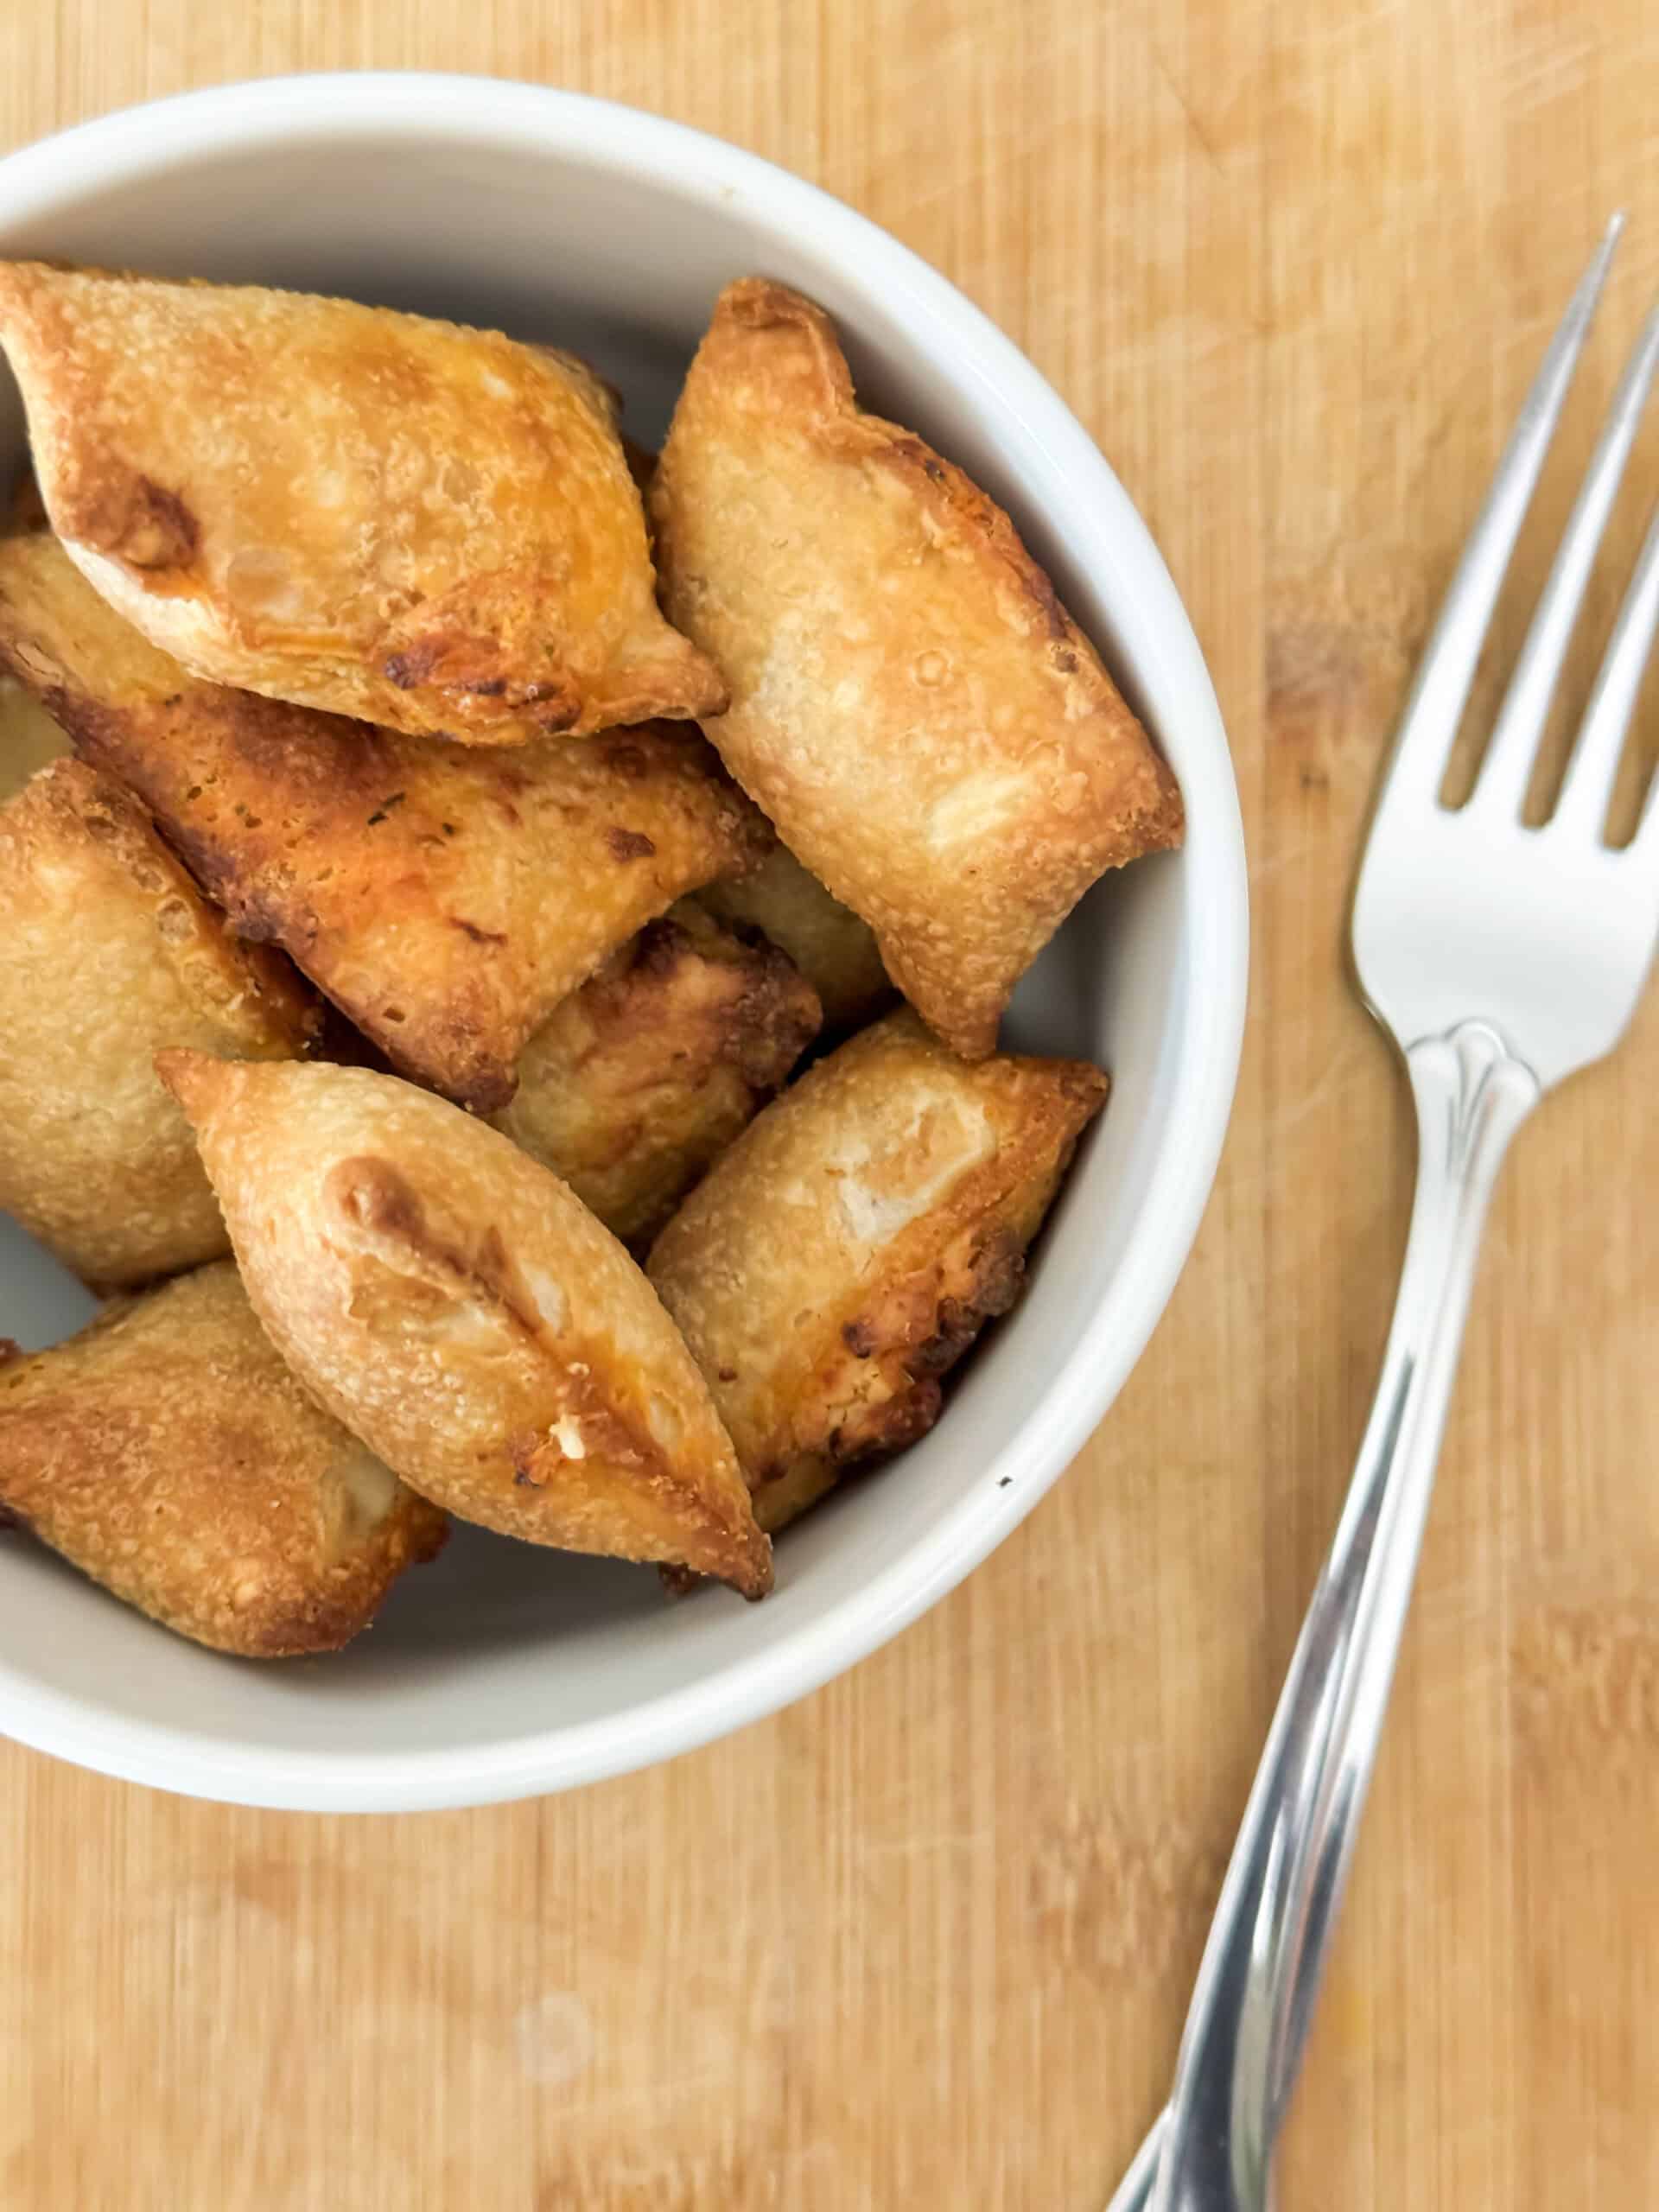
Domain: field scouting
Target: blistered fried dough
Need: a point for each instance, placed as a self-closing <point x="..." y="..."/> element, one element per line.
<point x="110" y="953"/>
<point x="642" y="1077"/>
<point x="29" y="737"/>
<point x="168" y="1452"/>
<point x="834" y="949"/>
<point x="930" y="731"/>
<point x="431" y="527"/>
<point x="849" y="1247"/>
<point x="446" y="898"/>
<point x="466" y="1316"/>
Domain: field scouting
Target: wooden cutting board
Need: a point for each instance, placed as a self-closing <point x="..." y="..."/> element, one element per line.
<point x="926" y="1938"/>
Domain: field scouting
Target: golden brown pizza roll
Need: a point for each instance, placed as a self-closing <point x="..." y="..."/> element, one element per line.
<point x="108" y="952"/>
<point x="446" y="898"/>
<point x="930" y="731"/>
<point x="645" y="1074"/>
<point x="430" y="527"/>
<point x="29" y="737"/>
<point x="849" y="1247"/>
<point x="832" y="947"/>
<point x="168" y="1452"/>
<point x="466" y="1316"/>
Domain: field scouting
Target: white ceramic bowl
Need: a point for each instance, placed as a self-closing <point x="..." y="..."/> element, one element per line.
<point x="503" y="1671"/>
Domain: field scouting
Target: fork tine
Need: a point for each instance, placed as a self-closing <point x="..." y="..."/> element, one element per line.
<point x="1514" y="747"/>
<point x="1590" y="774"/>
<point x="1447" y="667"/>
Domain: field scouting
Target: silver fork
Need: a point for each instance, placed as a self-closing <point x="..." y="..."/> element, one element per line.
<point x="1500" y="958"/>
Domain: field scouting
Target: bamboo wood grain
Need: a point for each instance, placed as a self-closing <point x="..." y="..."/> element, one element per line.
<point x="926" y="1938"/>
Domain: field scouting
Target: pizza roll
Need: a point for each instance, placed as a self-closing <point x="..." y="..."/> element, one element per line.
<point x="168" y="1452"/>
<point x="431" y="527"/>
<point x="466" y="1316"/>
<point x="834" y="949"/>
<point x="930" y="731"/>
<point x="645" y="1074"/>
<point x="446" y="898"/>
<point x="108" y="952"/>
<point x="849" y="1247"/>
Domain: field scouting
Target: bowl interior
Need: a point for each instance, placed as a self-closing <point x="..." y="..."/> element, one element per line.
<point x="501" y="1668"/>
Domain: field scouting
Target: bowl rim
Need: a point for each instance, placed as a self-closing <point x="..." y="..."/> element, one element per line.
<point x="1054" y="457"/>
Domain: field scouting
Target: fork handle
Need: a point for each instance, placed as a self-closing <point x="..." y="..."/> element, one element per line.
<point x="1254" y="1997"/>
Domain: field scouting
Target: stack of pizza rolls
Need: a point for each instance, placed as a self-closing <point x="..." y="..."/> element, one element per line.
<point x="502" y="977"/>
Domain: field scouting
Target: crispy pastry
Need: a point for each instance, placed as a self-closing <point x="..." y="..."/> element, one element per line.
<point x="111" y="953"/>
<point x="849" y="1247"/>
<point x="168" y="1452"/>
<point x="28" y="738"/>
<point x="446" y="898"/>
<point x="930" y="731"/>
<point x="431" y="527"/>
<point x="645" y="1074"/>
<point x="834" y="949"/>
<point x="466" y="1316"/>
